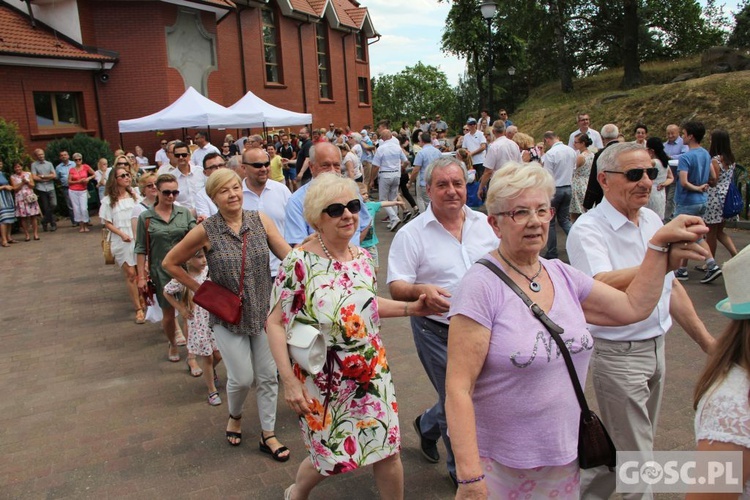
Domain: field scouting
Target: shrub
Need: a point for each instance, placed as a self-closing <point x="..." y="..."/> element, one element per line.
<point x="12" y="147"/>
<point x="90" y="148"/>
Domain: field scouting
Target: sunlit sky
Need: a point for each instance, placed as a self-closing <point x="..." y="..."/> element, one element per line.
<point x="411" y="32"/>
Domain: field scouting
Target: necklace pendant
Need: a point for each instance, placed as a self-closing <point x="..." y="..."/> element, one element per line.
<point x="534" y="286"/>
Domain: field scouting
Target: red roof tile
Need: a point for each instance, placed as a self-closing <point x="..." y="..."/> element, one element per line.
<point x="18" y="37"/>
<point x="303" y="6"/>
<point x="318" y="6"/>
<point x="223" y="3"/>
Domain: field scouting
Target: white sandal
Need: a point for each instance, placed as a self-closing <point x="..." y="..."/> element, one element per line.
<point x="288" y="492"/>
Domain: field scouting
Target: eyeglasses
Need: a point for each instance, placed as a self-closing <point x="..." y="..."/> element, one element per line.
<point x="636" y="174"/>
<point x="214" y="167"/>
<point x="522" y="215"/>
<point x="77" y="159"/>
<point x="122" y="164"/>
<point x="180" y="155"/>
<point x="164" y="143"/>
<point x="124" y="175"/>
<point x="336" y="210"/>
<point x="257" y="164"/>
<point x="174" y="192"/>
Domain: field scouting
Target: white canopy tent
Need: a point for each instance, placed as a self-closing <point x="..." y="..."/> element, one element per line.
<point x="272" y="116"/>
<point x="192" y="110"/>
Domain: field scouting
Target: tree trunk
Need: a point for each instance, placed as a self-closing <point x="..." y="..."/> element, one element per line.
<point x="630" y="61"/>
<point x="563" y="64"/>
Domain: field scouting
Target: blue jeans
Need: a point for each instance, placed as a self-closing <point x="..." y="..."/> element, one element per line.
<point x="561" y="204"/>
<point x="431" y="340"/>
<point x="698" y="209"/>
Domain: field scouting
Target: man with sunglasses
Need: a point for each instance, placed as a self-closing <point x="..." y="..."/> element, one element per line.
<point x="189" y="177"/>
<point x="161" y="157"/>
<point x="608" y="243"/>
<point x="204" y="206"/>
<point x="324" y="157"/>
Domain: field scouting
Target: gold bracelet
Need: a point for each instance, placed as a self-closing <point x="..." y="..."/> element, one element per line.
<point x="406" y="308"/>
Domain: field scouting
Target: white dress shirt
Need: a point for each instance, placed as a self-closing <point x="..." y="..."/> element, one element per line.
<point x="501" y="151"/>
<point x="596" y="138"/>
<point x="272" y="202"/>
<point x="472" y="142"/>
<point x="204" y="206"/>
<point x="161" y="157"/>
<point x="560" y="161"/>
<point x="200" y="153"/>
<point x="424" y="252"/>
<point x="190" y="185"/>
<point x="604" y="240"/>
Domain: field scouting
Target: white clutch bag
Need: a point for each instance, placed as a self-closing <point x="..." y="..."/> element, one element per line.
<point x="307" y="347"/>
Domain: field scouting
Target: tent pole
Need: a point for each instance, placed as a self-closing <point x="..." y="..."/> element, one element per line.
<point x="209" y="133"/>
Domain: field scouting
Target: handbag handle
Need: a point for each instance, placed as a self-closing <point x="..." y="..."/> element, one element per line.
<point x="553" y="328"/>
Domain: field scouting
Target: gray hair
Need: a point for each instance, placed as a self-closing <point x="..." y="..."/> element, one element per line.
<point x="609" y="159"/>
<point x="498" y="127"/>
<point x="356" y="136"/>
<point x="443" y="162"/>
<point x="235" y="162"/>
<point x="512" y="178"/>
<point x="610" y="131"/>
<point x="311" y="155"/>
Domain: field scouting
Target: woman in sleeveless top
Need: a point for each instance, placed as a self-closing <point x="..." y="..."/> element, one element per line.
<point x="244" y="347"/>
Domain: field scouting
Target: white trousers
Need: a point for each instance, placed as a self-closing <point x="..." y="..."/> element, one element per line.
<point x="80" y="202"/>
<point x="388" y="183"/>
<point x="248" y="357"/>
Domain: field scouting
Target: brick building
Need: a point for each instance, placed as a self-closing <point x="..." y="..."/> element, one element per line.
<point x="69" y="66"/>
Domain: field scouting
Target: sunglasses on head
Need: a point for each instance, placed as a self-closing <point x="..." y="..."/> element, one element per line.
<point x="636" y="174"/>
<point x="123" y="175"/>
<point x="337" y="209"/>
<point x="174" y="192"/>
<point x="257" y="164"/>
<point x="181" y="155"/>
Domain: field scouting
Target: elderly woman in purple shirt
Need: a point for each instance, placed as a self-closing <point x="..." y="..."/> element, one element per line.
<point x="512" y="412"/>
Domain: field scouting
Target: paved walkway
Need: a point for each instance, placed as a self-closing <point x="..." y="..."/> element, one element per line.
<point x="91" y="407"/>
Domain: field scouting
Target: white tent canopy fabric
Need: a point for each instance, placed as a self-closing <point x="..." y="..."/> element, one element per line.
<point x="193" y="110"/>
<point x="272" y="116"/>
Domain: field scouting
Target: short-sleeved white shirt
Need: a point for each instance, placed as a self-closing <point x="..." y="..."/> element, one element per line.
<point x="200" y="153"/>
<point x="604" y="240"/>
<point x="424" y="252"/>
<point x="161" y="157"/>
<point x="501" y="151"/>
<point x="272" y="202"/>
<point x="560" y="161"/>
<point x="204" y="206"/>
<point x="190" y="185"/>
<point x="596" y="138"/>
<point x="472" y="142"/>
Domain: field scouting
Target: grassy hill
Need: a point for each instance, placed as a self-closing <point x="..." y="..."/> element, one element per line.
<point x="719" y="101"/>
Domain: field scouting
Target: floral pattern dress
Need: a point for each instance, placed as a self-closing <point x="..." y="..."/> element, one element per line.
<point x="24" y="208"/>
<point x="201" y="340"/>
<point x="717" y="194"/>
<point x="579" y="182"/>
<point x="354" y="418"/>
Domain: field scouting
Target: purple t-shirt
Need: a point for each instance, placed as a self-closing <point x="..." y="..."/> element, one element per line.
<point x="525" y="407"/>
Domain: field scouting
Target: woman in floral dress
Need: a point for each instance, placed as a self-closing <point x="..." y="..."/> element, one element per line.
<point x="27" y="206"/>
<point x="349" y="410"/>
<point x="722" y="163"/>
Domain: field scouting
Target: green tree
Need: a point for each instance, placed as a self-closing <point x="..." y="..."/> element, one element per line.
<point x="415" y="91"/>
<point x="740" y="36"/>
<point x="12" y="147"/>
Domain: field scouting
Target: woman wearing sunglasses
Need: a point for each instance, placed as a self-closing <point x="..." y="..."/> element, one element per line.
<point x="159" y="229"/>
<point x="348" y="413"/>
<point x="116" y="208"/>
<point x="78" y="181"/>
<point x="244" y="346"/>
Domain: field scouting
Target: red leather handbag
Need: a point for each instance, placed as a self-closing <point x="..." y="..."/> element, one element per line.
<point x="222" y="302"/>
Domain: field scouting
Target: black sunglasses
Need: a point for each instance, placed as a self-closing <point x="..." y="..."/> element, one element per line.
<point x="257" y="164"/>
<point x="337" y="209"/>
<point x="181" y="155"/>
<point x="122" y="164"/>
<point x="123" y="175"/>
<point x="174" y="192"/>
<point x="636" y="174"/>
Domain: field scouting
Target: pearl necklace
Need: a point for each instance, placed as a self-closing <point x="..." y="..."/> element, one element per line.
<point x="533" y="285"/>
<point x="328" y="254"/>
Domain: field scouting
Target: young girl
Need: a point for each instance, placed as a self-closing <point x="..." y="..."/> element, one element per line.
<point x="370" y="241"/>
<point x="200" y="341"/>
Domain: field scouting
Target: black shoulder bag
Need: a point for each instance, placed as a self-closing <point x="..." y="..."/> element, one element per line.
<point x="595" y="447"/>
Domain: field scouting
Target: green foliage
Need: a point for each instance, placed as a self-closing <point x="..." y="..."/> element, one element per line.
<point x="417" y="90"/>
<point x="740" y="36"/>
<point x="91" y="148"/>
<point x="11" y="145"/>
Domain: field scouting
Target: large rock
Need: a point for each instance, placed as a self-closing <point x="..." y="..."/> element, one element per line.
<point x="724" y="60"/>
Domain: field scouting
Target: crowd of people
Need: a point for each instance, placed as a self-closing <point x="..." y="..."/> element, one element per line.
<point x="286" y="222"/>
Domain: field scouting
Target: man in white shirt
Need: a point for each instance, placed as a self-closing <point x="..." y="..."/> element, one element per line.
<point x="475" y="143"/>
<point x="429" y="256"/>
<point x="170" y="165"/>
<point x="608" y="243"/>
<point x="189" y="177"/>
<point x="560" y="161"/>
<point x="161" y="157"/>
<point x="264" y="194"/>
<point x="386" y="167"/>
<point x="204" y="206"/>
<point x="583" y="128"/>
<point x="204" y="147"/>
<point x="501" y="151"/>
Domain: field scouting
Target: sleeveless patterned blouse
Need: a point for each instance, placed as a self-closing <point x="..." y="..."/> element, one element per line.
<point x="224" y="264"/>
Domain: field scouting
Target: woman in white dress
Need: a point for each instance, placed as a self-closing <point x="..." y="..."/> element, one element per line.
<point x="722" y="395"/>
<point x="115" y="211"/>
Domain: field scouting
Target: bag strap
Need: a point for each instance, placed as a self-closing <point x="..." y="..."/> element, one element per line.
<point x="553" y="328"/>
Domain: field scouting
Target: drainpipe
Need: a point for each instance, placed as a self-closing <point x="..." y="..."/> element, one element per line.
<point x="302" y="64"/>
<point x="31" y="14"/>
<point x="98" y="105"/>
<point x="346" y="80"/>
<point x="242" y="48"/>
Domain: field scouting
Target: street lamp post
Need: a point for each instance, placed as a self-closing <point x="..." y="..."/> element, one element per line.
<point x="511" y="72"/>
<point x="489" y="9"/>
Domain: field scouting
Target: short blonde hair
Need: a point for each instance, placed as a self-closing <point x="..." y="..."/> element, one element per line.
<point x="524" y="141"/>
<point x="147" y="178"/>
<point x="219" y="179"/>
<point x="508" y="182"/>
<point x="323" y="189"/>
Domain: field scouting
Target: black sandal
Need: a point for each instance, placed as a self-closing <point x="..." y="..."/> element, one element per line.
<point x="232" y="434"/>
<point x="275" y="454"/>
